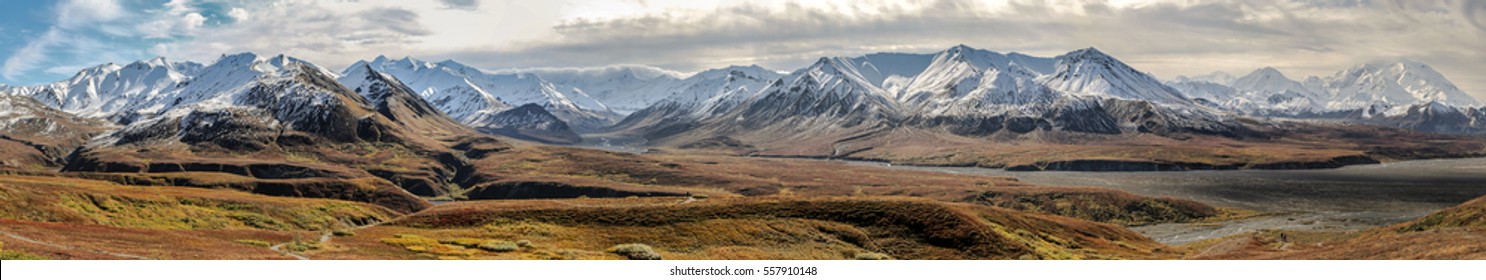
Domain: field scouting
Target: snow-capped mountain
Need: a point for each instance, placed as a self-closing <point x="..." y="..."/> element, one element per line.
<point x="961" y="90"/>
<point x="703" y="94"/>
<point x="830" y="98"/>
<point x="286" y="108"/>
<point x="1403" y="82"/>
<point x="831" y="87"/>
<point x="1204" y="92"/>
<point x="472" y="96"/>
<point x="1092" y="73"/>
<point x="623" y="89"/>
<point x="1402" y="93"/>
<point x="976" y="92"/>
<point x="106" y="90"/>
<point x="255" y="99"/>
<point x="396" y="101"/>
<point x="967" y="81"/>
<point x="1266" y="91"/>
<point x="530" y="121"/>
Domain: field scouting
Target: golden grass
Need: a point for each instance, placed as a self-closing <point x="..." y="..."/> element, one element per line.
<point x="744" y="228"/>
<point x="81" y="201"/>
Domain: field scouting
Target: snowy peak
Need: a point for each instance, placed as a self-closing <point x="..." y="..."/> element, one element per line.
<point x="620" y="88"/>
<point x="827" y="95"/>
<point x="1090" y="72"/>
<point x="1268" y="81"/>
<point x="1398" y="82"/>
<point x="396" y="101"/>
<point x="726" y="85"/>
<point x="1264" y="78"/>
<point x="374" y="86"/>
<point x="828" y="72"/>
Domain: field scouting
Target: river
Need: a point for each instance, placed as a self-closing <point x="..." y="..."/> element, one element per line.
<point x="1349" y="198"/>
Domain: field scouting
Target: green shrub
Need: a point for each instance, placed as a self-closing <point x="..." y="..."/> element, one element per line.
<point x="635" y="251"/>
<point x="257" y="243"/>
<point x="499" y="246"/>
<point x="462" y="241"/>
<point x="17" y="255"/>
<point x="524" y="243"/>
<point x="301" y="246"/>
<point x="343" y="232"/>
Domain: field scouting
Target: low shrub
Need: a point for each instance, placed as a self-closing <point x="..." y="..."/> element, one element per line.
<point x="499" y="246"/>
<point x="256" y="243"/>
<point x="635" y="251"/>
<point x="462" y="241"/>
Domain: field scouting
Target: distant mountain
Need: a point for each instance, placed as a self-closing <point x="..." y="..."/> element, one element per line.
<point x="690" y="100"/>
<point x="473" y="96"/>
<point x="623" y="89"/>
<point x="1402" y="93"/>
<point x="1266" y="91"/>
<point x="1403" y="82"/>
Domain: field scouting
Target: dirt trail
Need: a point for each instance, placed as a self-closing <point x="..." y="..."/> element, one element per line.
<point x="70" y="248"/>
<point x="324" y="238"/>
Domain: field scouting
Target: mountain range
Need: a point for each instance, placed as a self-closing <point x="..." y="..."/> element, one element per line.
<point x="889" y="106"/>
<point x="1402" y="93"/>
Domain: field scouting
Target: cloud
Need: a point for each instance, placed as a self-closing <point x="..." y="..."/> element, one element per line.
<point x="461" y="4"/>
<point x="239" y="14"/>
<point x="29" y="57"/>
<point x="1474" y="13"/>
<point x="68" y="35"/>
<point x="320" y="31"/>
<point x="83" y="13"/>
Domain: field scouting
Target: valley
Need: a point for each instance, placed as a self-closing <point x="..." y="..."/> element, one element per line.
<point x="958" y="154"/>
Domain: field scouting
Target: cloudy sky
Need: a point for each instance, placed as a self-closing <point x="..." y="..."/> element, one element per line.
<point x="43" y="41"/>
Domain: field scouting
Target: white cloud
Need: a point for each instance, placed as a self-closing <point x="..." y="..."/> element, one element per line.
<point x="82" y="13"/>
<point x="71" y="19"/>
<point x="324" y="32"/>
<point x="29" y="57"/>
<point x="239" y="14"/>
<point x="178" y="18"/>
<point x="191" y="21"/>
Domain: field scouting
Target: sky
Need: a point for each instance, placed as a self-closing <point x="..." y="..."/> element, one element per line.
<point x="45" y="41"/>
